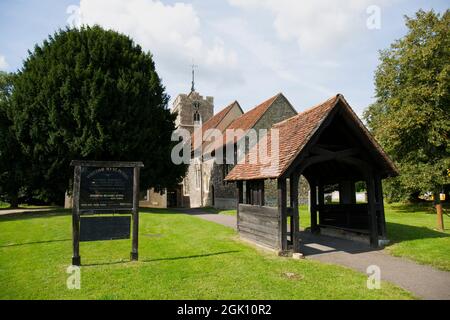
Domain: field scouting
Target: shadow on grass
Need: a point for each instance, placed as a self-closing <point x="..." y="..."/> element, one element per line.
<point x="189" y="211"/>
<point x="425" y="207"/>
<point x="158" y="211"/>
<point x="401" y="232"/>
<point x="35" y="215"/>
<point x="28" y="208"/>
<point x="34" y="242"/>
<point x="162" y="259"/>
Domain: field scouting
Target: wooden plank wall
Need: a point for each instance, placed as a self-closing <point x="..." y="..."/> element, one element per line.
<point x="259" y="224"/>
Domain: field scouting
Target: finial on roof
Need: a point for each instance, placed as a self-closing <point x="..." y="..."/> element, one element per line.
<point x="193" y="76"/>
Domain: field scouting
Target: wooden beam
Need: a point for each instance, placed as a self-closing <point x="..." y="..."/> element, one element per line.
<point x="247" y="192"/>
<point x="239" y="199"/>
<point x="320" y="199"/>
<point x="380" y="204"/>
<point x="282" y="233"/>
<point x="373" y="222"/>
<point x="76" y="259"/>
<point x="135" y="236"/>
<point x="313" y="206"/>
<point x="295" y="220"/>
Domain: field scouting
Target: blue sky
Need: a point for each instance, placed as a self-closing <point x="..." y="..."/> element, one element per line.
<point x="246" y="50"/>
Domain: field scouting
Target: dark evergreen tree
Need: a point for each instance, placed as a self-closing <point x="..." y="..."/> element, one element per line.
<point x="13" y="164"/>
<point x="91" y="94"/>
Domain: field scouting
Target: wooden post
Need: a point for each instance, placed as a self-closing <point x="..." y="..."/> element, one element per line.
<point x="439" y="213"/>
<point x="320" y="200"/>
<point x="76" y="259"/>
<point x="295" y="220"/>
<point x="263" y="202"/>
<point x="239" y="199"/>
<point x="134" y="256"/>
<point x="282" y="214"/>
<point x="313" y="207"/>
<point x="248" y="189"/>
<point x="373" y="221"/>
<point x="380" y="203"/>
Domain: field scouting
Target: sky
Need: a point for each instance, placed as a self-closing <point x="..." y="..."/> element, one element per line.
<point x="245" y="50"/>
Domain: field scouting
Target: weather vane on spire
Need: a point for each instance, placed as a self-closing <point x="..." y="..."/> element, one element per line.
<point x="193" y="76"/>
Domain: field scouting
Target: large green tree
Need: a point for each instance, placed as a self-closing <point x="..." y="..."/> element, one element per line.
<point x="12" y="161"/>
<point x="92" y="94"/>
<point x="411" y="115"/>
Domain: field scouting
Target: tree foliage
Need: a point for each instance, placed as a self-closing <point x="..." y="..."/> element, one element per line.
<point x="91" y="94"/>
<point x="411" y="115"/>
<point x="12" y="161"/>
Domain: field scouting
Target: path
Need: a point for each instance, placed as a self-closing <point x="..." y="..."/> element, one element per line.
<point x="4" y="212"/>
<point x="229" y="221"/>
<point x="423" y="281"/>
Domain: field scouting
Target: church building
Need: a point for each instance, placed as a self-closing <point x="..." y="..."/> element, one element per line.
<point x="204" y="184"/>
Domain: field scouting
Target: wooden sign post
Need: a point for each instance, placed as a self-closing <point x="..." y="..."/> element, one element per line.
<point x="105" y="188"/>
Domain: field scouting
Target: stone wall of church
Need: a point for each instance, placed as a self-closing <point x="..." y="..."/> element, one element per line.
<point x="271" y="192"/>
<point x="279" y="111"/>
<point x="154" y="199"/>
<point x="225" y="192"/>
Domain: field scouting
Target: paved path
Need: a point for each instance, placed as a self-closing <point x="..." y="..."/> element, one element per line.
<point x="14" y="211"/>
<point x="229" y="221"/>
<point x="423" y="281"/>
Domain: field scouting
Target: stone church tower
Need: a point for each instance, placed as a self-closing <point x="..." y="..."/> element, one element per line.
<point x="192" y="109"/>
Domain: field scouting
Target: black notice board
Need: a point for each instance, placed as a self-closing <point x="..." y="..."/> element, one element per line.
<point x="106" y="188"/>
<point x="105" y="228"/>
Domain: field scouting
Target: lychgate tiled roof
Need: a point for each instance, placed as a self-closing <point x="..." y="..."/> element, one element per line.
<point x="294" y="133"/>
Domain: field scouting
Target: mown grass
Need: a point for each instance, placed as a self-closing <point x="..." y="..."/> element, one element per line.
<point x="181" y="257"/>
<point x="413" y="234"/>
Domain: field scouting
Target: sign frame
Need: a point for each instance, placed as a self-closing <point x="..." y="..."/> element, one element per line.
<point x="77" y="211"/>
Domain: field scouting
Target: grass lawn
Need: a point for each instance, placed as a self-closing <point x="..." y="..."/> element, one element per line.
<point x="411" y="229"/>
<point x="4" y="205"/>
<point x="181" y="257"/>
<point x="221" y="211"/>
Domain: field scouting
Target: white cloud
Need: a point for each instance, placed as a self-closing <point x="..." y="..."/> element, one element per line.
<point x="273" y="57"/>
<point x="3" y="64"/>
<point x="171" y="32"/>
<point x="316" y="25"/>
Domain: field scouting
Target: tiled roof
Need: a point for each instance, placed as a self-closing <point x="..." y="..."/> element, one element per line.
<point x="214" y="122"/>
<point x="247" y="121"/>
<point x="250" y="118"/>
<point x="217" y="119"/>
<point x="294" y="133"/>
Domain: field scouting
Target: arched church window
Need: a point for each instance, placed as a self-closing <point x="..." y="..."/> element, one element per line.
<point x="197" y="117"/>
